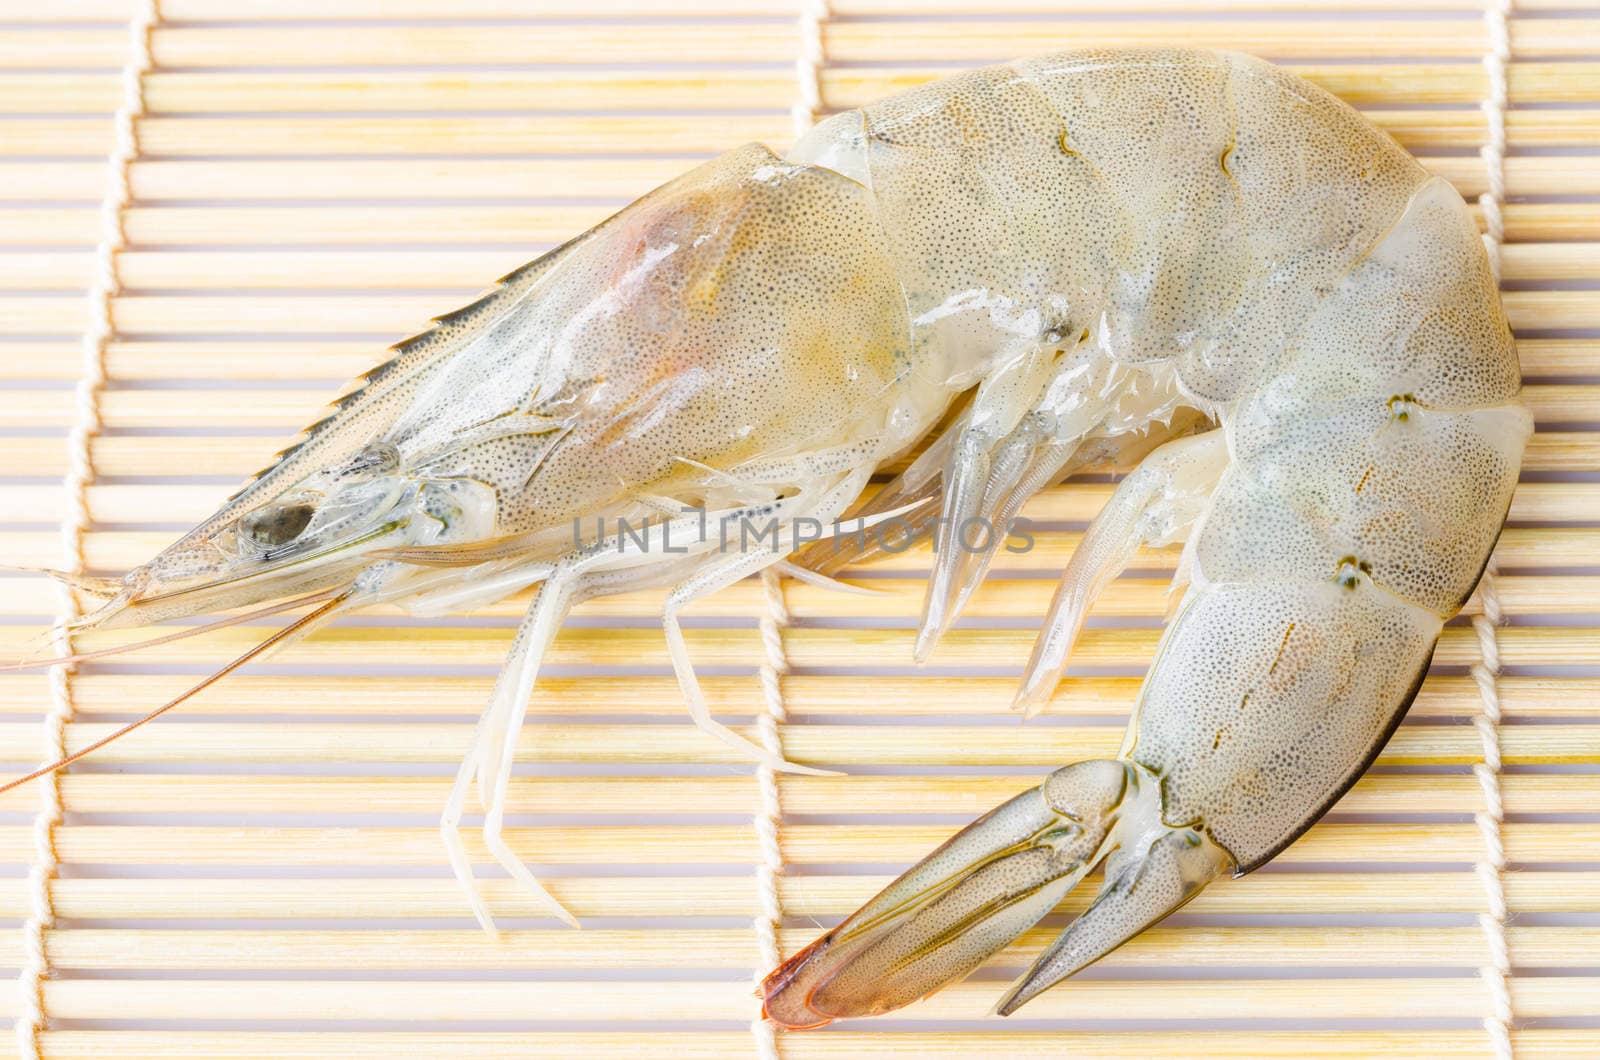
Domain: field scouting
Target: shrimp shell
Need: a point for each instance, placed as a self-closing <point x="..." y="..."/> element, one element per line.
<point x="1187" y="261"/>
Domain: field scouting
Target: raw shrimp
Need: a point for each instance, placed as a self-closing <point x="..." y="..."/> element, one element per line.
<point x="1094" y="252"/>
<point x="1221" y="235"/>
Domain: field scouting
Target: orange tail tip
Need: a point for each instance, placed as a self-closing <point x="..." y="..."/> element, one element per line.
<point x="789" y="1008"/>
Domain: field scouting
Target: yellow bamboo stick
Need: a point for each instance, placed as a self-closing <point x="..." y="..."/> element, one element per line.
<point x="340" y="359"/>
<point x="381" y="314"/>
<point x="1262" y="893"/>
<point x="521" y="226"/>
<point x="231" y="458"/>
<point x="385" y="10"/>
<point x="769" y="41"/>
<point x="401" y="314"/>
<point x="1536" y="1044"/>
<point x="901" y="598"/>
<point x="470" y="178"/>
<point x="399" y="695"/>
<point x="468" y="135"/>
<point x="1518" y="546"/>
<point x="351" y="847"/>
<point x="970" y="42"/>
<point x="645" y="797"/>
<point x="469" y="270"/>
<point x="1355" y="83"/>
<point x="1071" y="502"/>
<point x="775" y="41"/>
<point x="234" y="91"/>
<point x="449" y="1001"/>
<point x="368" y="741"/>
<point x="734" y="948"/>
<point x="422" y="178"/>
<point x="181" y="504"/>
<point x="285" y="410"/>
<point x="354" y="643"/>
<point x="651" y="134"/>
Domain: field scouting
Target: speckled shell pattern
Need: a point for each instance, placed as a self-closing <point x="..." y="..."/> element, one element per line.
<point x="1315" y="291"/>
<point x="1202" y="228"/>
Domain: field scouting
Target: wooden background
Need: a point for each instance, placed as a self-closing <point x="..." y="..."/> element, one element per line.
<point x="261" y="874"/>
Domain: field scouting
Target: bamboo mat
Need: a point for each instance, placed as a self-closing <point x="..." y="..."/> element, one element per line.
<point x="261" y="874"/>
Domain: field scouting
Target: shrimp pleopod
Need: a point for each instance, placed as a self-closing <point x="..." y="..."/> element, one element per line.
<point x="1186" y="261"/>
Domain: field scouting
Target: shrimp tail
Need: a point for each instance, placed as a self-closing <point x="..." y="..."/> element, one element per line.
<point x="990" y="883"/>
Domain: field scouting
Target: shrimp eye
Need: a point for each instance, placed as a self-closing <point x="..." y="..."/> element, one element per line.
<point x="277" y="524"/>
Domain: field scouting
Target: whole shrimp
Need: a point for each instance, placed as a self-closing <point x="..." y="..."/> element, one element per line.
<point x="1093" y="252"/>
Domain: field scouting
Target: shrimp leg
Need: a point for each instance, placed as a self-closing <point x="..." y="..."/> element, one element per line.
<point x="493" y="746"/>
<point x="710" y="579"/>
<point x="720" y="574"/>
<point x="1002" y="400"/>
<point x="1156" y="504"/>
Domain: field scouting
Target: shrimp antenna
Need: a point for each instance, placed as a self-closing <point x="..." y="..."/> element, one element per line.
<point x="87" y="583"/>
<point x="182" y="634"/>
<point x="296" y="628"/>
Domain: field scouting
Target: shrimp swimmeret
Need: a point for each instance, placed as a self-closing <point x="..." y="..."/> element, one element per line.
<point x="1094" y="252"/>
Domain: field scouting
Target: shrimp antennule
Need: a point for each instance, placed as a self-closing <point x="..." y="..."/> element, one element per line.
<point x="169" y="638"/>
<point x="300" y="627"/>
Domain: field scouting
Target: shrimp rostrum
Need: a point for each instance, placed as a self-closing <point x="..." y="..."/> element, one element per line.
<point x="1030" y="268"/>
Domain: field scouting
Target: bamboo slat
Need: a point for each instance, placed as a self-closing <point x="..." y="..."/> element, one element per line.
<point x="339" y="359"/>
<point x="1535" y="1044"/>
<point x="183" y="505"/>
<point x="852" y="794"/>
<point x="522" y="225"/>
<point x="261" y="874"/>
<point x="1440" y="698"/>
<point x="644" y="134"/>
<point x="145" y="949"/>
<point x="448" y="271"/>
<point x="729" y="845"/>
<point x="1551" y="546"/>
<point x="285" y="410"/>
<point x="226" y="459"/>
<point x="637" y="1002"/>
<point x="206" y="92"/>
<point x="352" y="898"/>
<point x="901" y="598"/>
<point x="66" y="11"/>
<point x="465" y="645"/>
<point x="821" y="745"/>
<point x="478" y="177"/>
<point x="774" y="41"/>
<point x="383" y="314"/>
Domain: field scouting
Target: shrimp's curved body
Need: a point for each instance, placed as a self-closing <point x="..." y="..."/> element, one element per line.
<point x="1083" y="245"/>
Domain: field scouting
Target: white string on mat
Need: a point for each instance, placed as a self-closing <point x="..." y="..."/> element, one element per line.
<point x="1496" y="974"/>
<point x="808" y="65"/>
<point x="75" y="522"/>
<point x="775" y="663"/>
